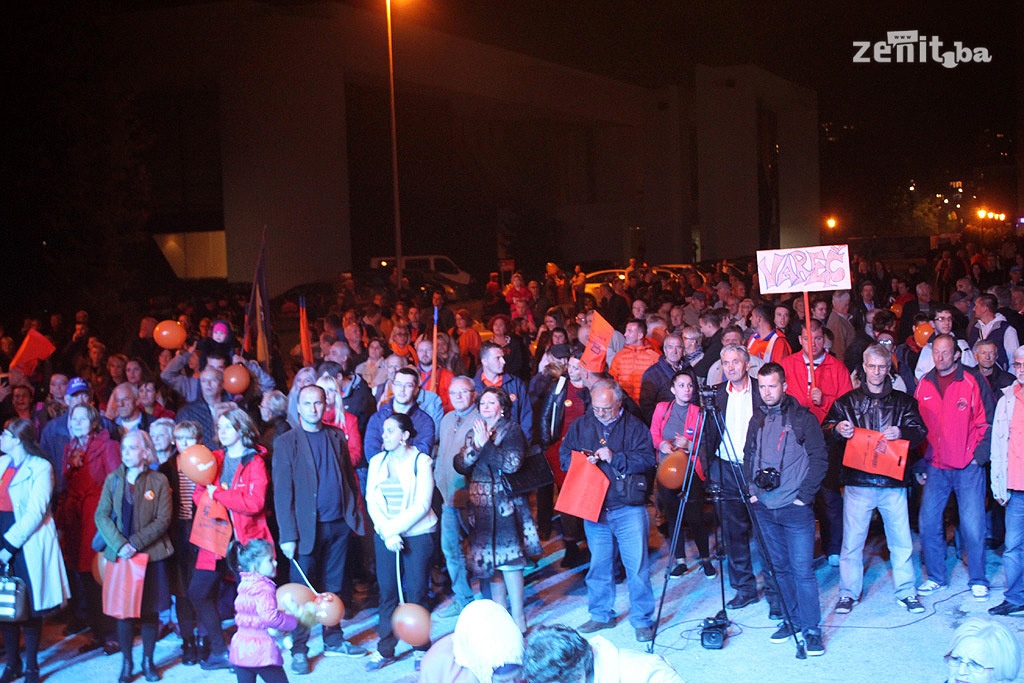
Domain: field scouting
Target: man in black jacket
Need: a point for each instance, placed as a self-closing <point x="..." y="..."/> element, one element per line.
<point x="620" y="445"/>
<point x="875" y="405"/>
<point x="656" y="383"/>
<point x="318" y="506"/>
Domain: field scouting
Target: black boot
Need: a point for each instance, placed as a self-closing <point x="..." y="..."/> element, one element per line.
<point x="189" y="652"/>
<point x="149" y="670"/>
<point x="126" y="671"/>
<point x="202" y="648"/>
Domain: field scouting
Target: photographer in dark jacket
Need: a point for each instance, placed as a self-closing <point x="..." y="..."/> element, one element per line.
<point x="875" y="405"/>
<point x="784" y="461"/>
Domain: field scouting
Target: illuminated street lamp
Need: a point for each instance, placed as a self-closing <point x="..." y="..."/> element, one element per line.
<point x="981" y="213"/>
<point x="394" y="153"/>
<point x="831" y="223"/>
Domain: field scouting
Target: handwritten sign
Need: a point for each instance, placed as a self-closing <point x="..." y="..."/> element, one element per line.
<point x="804" y="269"/>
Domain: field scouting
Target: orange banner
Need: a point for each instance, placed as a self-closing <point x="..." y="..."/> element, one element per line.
<point x="595" y="355"/>
<point x="582" y="493"/>
<point x="869" y="452"/>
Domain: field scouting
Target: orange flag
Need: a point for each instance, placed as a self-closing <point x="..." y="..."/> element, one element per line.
<point x="595" y="355"/>
<point x="35" y="348"/>
<point x="304" y="339"/>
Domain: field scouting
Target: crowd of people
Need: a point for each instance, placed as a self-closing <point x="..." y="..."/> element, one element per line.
<point x="378" y="467"/>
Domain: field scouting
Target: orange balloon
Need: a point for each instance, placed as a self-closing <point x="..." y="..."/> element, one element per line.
<point x="922" y="333"/>
<point x="198" y="464"/>
<point x="300" y="594"/>
<point x="897" y="308"/>
<point x="169" y="334"/>
<point x="672" y="470"/>
<point x="236" y="379"/>
<point x="99" y="565"/>
<point x="411" y="623"/>
<point x="329" y="609"/>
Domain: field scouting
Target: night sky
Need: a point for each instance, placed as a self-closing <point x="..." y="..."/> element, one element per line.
<point x="889" y="123"/>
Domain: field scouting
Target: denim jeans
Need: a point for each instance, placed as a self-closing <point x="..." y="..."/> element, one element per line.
<point x="1013" y="555"/>
<point x="628" y="527"/>
<point x="789" y="534"/>
<point x="969" y="486"/>
<point x="858" y="504"/>
<point x="454" y="558"/>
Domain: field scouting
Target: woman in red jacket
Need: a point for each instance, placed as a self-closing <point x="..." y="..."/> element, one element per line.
<point x="241" y="487"/>
<point x="89" y="456"/>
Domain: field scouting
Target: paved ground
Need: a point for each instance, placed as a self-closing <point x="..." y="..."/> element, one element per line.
<point x="879" y="640"/>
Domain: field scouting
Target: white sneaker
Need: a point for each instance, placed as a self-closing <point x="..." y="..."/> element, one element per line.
<point x="980" y="592"/>
<point x="929" y="587"/>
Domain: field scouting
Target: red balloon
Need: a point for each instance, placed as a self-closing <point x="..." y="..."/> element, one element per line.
<point x="300" y="594"/>
<point x="198" y="464"/>
<point x="922" y="333"/>
<point x="236" y="379"/>
<point x="411" y="623"/>
<point x="897" y="308"/>
<point x="672" y="470"/>
<point x="329" y="609"/>
<point x="169" y="334"/>
<point x="99" y="565"/>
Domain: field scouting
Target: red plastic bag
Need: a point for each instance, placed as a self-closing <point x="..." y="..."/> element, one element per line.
<point x="122" y="586"/>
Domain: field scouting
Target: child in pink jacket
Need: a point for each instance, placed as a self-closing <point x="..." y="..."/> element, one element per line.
<point x="253" y="651"/>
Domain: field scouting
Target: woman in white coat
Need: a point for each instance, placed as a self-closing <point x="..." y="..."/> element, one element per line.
<point x="29" y="543"/>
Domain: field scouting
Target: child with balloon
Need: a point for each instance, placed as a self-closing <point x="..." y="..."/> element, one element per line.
<point x="253" y="651"/>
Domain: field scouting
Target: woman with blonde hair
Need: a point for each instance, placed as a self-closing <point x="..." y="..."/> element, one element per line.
<point x="335" y="415"/>
<point x="133" y="517"/>
<point x="983" y="651"/>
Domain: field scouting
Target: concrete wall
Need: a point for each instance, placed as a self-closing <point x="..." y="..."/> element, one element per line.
<point x="726" y="106"/>
<point x="595" y="156"/>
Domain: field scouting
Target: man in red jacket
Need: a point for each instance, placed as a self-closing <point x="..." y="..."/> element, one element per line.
<point x="831" y="380"/>
<point x="953" y="407"/>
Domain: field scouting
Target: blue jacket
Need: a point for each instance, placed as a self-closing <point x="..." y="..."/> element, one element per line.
<point x="424" y="424"/>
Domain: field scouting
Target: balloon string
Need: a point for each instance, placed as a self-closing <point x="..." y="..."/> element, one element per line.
<point x="398" y="573"/>
<point x="303" y="575"/>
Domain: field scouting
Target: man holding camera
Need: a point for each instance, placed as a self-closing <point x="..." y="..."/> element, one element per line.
<point x="784" y="461"/>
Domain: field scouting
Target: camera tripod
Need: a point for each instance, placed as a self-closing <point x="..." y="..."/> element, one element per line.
<point x="716" y="494"/>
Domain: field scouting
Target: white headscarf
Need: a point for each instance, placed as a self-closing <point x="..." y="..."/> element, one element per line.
<point x="486" y="637"/>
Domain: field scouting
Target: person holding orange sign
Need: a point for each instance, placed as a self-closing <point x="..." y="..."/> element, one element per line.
<point x="875" y="405"/>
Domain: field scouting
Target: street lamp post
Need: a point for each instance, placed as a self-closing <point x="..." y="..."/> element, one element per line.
<point x="394" y="153"/>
